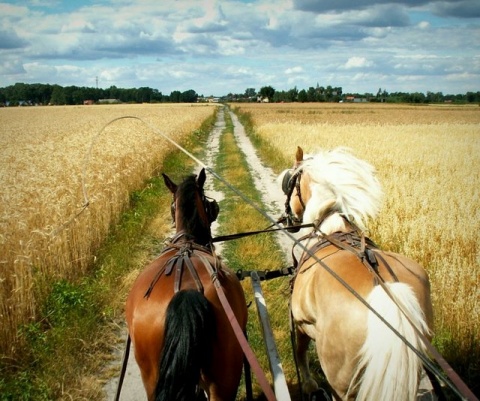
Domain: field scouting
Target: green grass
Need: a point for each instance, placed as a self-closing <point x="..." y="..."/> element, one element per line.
<point x="259" y="252"/>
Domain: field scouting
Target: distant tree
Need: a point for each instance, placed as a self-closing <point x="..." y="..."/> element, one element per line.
<point x="143" y="95"/>
<point x="434" y="97"/>
<point x="175" y="96"/>
<point x="328" y="93"/>
<point x="156" y="96"/>
<point x="473" y="97"/>
<point x="292" y="94"/>
<point x="189" y="96"/>
<point x="311" y="94"/>
<point x="267" y="92"/>
<point x="113" y="92"/>
<point x="279" y="96"/>
<point x="58" y="95"/>
<point x="302" y="96"/>
<point x="321" y="94"/>
<point x="250" y="93"/>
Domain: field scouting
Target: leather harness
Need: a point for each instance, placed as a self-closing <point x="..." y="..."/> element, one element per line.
<point x="186" y="250"/>
<point x="358" y="244"/>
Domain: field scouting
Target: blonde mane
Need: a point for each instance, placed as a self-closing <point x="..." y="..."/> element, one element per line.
<point x="342" y="183"/>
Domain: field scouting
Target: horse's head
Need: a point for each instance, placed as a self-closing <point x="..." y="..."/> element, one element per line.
<point x="297" y="192"/>
<point x="192" y="211"/>
<point x="334" y="186"/>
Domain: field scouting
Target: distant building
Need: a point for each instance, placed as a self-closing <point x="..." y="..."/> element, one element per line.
<point x="353" y="99"/>
<point x="88" y="102"/>
<point x="109" y="101"/>
<point x="261" y="99"/>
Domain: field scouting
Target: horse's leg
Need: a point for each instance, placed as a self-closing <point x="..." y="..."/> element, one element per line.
<point x="309" y="385"/>
<point x="148" y="366"/>
<point x="222" y="380"/>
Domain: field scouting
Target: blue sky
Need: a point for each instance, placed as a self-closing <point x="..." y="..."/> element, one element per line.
<point x="217" y="47"/>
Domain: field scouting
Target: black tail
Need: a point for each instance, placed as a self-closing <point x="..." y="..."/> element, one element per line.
<point x="189" y="332"/>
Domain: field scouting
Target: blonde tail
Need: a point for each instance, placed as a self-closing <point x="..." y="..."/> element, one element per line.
<point x="388" y="369"/>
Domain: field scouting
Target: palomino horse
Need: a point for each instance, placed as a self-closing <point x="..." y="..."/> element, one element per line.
<point x="361" y="357"/>
<point x="183" y="339"/>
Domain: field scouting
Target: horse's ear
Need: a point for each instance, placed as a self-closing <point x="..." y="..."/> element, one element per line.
<point x="201" y="178"/>
<point x="299" y="154"/>
<point x="169" y="183"/>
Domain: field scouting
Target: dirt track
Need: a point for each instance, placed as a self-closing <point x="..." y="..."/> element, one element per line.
<point x="265" y="180"/>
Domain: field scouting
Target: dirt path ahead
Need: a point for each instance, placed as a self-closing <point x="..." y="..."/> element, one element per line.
<point x="132" y="389"/>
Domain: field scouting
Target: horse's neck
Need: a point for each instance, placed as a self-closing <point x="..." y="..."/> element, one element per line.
<point x="335" y="223"/>
<point x="201" y="237"/>
<point x="181" y="236"/>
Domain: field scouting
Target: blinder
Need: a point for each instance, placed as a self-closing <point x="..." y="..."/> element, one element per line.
<point x="211" y="209"/>
<point x="289" y="182"/>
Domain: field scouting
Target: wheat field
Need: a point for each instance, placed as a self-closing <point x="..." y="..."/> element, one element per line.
<point x="428" y="161"/>
<point x="55" y="160"/>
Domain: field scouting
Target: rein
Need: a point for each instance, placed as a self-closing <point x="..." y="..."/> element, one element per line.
<point x="242" y="340"/>
<point x="281" y="220"/>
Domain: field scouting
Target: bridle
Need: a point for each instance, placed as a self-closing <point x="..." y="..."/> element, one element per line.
<point x="291" y="180"/>
<point x="210" y="206"/>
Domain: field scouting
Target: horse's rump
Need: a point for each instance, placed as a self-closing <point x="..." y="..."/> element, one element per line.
<point x="188" y="330"/>
<point x="352" y="343"/>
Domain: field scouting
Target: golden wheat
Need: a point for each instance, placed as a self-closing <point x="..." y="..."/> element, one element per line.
<point x="428" y="160"/>
<point x="45" y="152"/>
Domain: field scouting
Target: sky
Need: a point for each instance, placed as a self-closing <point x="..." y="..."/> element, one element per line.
<point x="217" y="47"/>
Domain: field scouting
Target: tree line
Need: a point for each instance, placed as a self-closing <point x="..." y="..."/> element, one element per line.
<point x="43" y="94"/>
<point x="336" y="94"/>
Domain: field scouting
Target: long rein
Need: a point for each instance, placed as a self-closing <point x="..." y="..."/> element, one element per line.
<point x="269" y="229"/>
<point x="465" y="393"/>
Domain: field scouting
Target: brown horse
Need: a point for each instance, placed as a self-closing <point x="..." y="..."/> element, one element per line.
<point x="184" y="343"/>
<point x="361" y="357"/>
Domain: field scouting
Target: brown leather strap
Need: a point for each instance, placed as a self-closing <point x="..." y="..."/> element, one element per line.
<point x="181" y="258"/>
<point x="242" y="340"/>
<point x="193" y="272"/>
<point x="252" y="359"/>
<point x="124" y="368"/>
<point x="344" y="245"/>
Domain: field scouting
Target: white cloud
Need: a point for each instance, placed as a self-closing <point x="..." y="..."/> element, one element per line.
<point x="223" y="46"/>
<point x="294" y="70"/>
<point x="424" y="25"/>
<point x="357" y="62"/>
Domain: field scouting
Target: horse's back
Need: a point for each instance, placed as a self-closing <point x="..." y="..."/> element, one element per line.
<point x="328" y="312"/>
<point x="323" y="280"/>
<point x="145" y="315"/>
